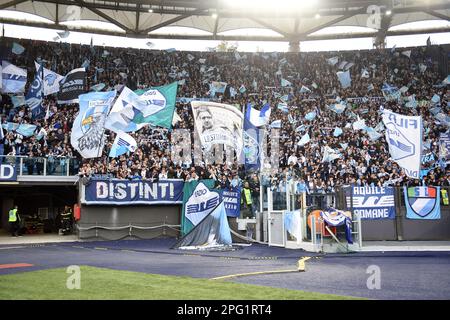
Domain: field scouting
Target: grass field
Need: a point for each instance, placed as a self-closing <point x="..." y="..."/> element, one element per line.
<point x="100" y="284"/>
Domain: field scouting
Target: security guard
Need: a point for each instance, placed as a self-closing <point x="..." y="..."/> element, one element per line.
<point x="246" y="199"/>
<point x="14" y="221"/>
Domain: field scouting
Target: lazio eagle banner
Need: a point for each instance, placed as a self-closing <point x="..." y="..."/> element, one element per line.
<point x="371" y="202"/>
<point x="253" y="146"/>
<point x="199" y="198"/>
<point x="198" y="201"/>
<point x="87" y="132"/>
<point x="422" y="203"/>
<point x="404" y="138"/>
<point x="218" y="124"/>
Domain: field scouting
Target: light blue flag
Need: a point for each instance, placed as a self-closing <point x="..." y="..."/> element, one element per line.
<point x="122" y="144"/>
<point x="27" y="130"/>
<point x="411" y="101"/>
<point x="285" y="98"/>
<point x="242" y="89"/>
<point x="283" y="107"/>
<point x="344" y="145"/>
<point x="285" y="83"/>
<point x="14" y="78"/>
<point x="2" y="135"/>
<point x="18" y="101"/>
<point x="435" y="99"/>
<point x="304" y="140"/>
<point x="87" y="135"/>
<point x="338" y="108"/>
<point x="337" y="132"/>
<point x="373" y="135"/>
<point x="17" y="48"/>
<point x="344" y="78"/>
<point x="310" y="116"/>
<point x="98" y="87"/>
<point x="390" y="92"/>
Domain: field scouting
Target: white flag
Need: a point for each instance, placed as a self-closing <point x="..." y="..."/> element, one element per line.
<point x="404" y="138"/>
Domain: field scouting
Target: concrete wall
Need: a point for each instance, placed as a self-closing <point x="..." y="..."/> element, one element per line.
<point x="119" y="216"/>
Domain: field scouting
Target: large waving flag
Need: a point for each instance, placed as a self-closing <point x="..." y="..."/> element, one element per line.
<point x="258" y="118"/>
<point x="13" y="78"/>
<point x="404" y="138"/>
<point x="87" y="132"/>
<point x="158" y="105"/>
<point x="122" y="144"/>
<point x="134" y="110"/>
<point x="35" y="95"/>
<point x="51" y="80"/>
<point x="71" y="86"/>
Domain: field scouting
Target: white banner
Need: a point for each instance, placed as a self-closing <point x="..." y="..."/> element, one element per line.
<point x="218" y="124"/>
<point x="404" y="137"/>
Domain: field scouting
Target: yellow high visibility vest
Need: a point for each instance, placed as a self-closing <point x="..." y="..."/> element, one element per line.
<point x="13" y="215"/>
<point x="444" y="197"/>
<point x="247" y="196"/>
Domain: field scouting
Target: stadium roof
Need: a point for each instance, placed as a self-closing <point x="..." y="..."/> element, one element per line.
<point x="288" y="20"/>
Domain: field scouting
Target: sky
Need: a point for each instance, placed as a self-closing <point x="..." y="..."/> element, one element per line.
<point x="24" y="32"/>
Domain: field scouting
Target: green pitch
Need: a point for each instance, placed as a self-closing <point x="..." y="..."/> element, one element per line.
<point x="100" y="283"/>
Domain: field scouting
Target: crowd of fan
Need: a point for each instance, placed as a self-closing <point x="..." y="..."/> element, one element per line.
<point x="363" y="161"/>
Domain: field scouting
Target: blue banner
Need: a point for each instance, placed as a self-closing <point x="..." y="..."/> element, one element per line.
<point x="372" y="203"/>
<point x="8" y="172"/>
<point x="253" y="146"/>
<point x="232" y="201"/>
<point x="125" y="192"/>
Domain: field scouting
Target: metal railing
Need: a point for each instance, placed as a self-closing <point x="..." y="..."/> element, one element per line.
<point x="43" y="166"/>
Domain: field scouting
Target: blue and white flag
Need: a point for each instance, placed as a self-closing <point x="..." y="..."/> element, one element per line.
<point x="258" y="118"/>
<point x="304" y="140"/>
<point x="35" y="95"/>
<point x="276" y="124"/>
<point x="293" y="224"/>
<point x="122" y="144"/>
<point x="373" y="135"/>
<point x="87" y="132"/>
<point x="17" y="48"/>
<point x="283" y="107"/>
<point x="253" y="138"/>
<point x="344" y="78"/>
<point x="436" y="99"/>
<point x="242" y="89"/>
<point x="359" y="124"/>
<point x="27" y="130"/>
<point x="51" y="80"/>
<point x="330" y="154"/>
<point x="304" y="89"/>
<point x="338" y="107"/>
<point x="333" y="61"/>
<point x="390" y="93"/>
<point x="285" y="83"/>
<point x="217" y="87"/>
<point x="14" y="78"/>
<point x="2" y="135"/>
<point x="404" y="138"/>
<point x="310" y="116"/>
<point x="334" y="218"/>
<point x="98" y="87"/>
<point x="337" y="132"/>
